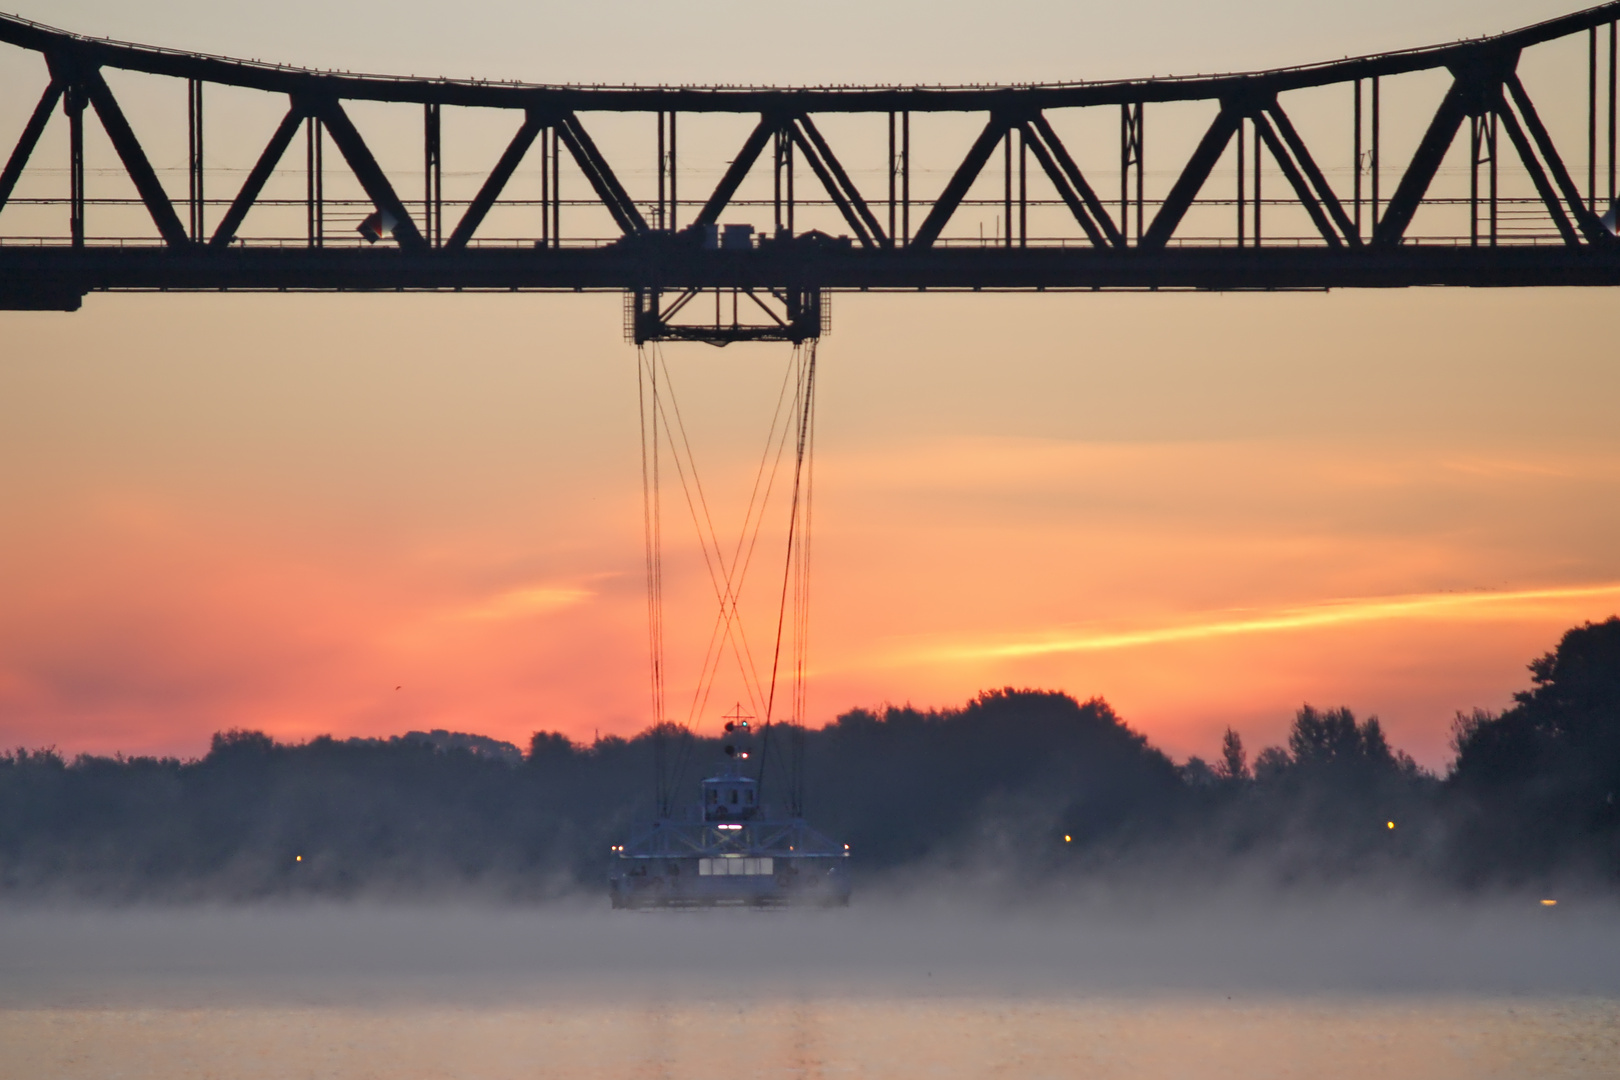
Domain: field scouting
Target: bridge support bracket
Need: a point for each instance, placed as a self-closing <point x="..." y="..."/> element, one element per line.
<point x="793" y="314"/>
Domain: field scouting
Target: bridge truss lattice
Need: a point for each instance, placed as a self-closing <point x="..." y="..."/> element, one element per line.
<point x="1283" y="179"/>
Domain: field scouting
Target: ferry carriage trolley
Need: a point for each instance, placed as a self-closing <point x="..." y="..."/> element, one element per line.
<point x="730" y="850"/>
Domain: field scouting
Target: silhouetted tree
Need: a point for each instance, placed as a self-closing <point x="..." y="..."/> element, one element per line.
<point x="1233" y="767"/>
<point x="1271" y="764"/>
<point x="1541" y="780"/>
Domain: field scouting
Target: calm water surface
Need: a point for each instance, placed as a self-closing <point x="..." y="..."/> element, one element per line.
<point x="350" y="993"/>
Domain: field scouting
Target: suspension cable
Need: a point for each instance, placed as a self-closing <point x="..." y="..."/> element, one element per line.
<point x="651" y="525"/>
<point x="743" y="558"/>
<point x="727" y="576"/>
<point x="708" y="538"/>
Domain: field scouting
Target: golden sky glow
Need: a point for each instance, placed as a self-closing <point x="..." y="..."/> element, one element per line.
<point x="367" y="514"/>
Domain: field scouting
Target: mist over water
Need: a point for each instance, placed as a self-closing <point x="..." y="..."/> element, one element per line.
<point x="1223" y="943"/>
<point x="929" y="983"/>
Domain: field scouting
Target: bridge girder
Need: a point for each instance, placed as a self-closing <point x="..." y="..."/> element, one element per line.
<point x="650" y="254"/>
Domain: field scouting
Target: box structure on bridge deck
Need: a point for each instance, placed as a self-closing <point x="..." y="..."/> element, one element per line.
<point x="730" y="850"/>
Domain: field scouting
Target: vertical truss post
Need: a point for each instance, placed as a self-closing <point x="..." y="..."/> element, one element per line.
<point x="891" y="171"/>
<point x="1258" y="197"/>
<point x="315" y="187"/>
<point x="1492" y="135"/>
<point x="666" y="171"/>
<point x="1474" y="125"/>
<point x="905" y="176"/>
<point x="1356" y="153"/>
<point x="556" y="189"/>
<point x="1374" y="163"/>
<point x="1482" y="145"/>
<point x="674" y="176"/>
<point x="433" y="177"/>
<point x="1006" y="214"/>
<point x="545" y="187"/>
<point x="1242" y="210"/>
<point x="1023" y="189"/>
<point x="1130" y="157"/>
<point x="74" y="103"/>
<point x="1591" y="118"/>
<point x="1614" y="55"/>
<point x="776" y="178"/>
<point x="792" y="201"/>
<point x="194" y="148"/>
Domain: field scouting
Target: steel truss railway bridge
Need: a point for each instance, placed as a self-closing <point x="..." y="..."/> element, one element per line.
<point x="1492" y="186"/>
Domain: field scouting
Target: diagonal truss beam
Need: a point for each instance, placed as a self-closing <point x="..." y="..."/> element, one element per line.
<point x="1054" y="158"/>
<point x="225" y="233"/>
<point x="738" y="170"/>
<point x="1590" y="225"/>
<point x="1538" y="175"/>
<point x="30" y="138"/>
<point x="1296" y="179"/>
<point x="1425" y="164"/>
<point x="510" y="159"/>
<point x="134" y="158"/>
<point x="1328" y="201"/>
<point x="602" y="180"/>
<point x="368" y="172"/>
<point x="1192" y="178"/>
<point x="837" y="182"/>
<point x="960" y="182"/>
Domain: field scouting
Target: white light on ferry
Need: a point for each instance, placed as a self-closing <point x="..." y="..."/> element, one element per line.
<point x="729" y="828"/>
<point x="846" y="847"/>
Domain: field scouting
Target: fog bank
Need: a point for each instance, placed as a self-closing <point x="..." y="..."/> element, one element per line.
<point x="368" y="954"/>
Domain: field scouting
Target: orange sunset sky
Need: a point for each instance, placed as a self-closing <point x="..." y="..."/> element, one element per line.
<point x="270" y="512"/>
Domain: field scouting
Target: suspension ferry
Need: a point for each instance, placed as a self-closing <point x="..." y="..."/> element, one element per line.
<point x="730" y="850"/>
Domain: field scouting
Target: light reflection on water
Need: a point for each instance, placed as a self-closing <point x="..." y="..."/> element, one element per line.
<point x="938" y="1037"/>
<point x="1200" y="993"/>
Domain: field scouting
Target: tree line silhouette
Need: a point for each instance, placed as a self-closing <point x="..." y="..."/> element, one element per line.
<point x="1032" y="783"/>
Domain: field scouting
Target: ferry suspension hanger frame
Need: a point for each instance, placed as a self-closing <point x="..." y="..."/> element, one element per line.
<point x="896" y="239"/>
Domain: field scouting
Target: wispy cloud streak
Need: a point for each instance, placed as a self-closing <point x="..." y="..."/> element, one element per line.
<point x="1335" y="613"/>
